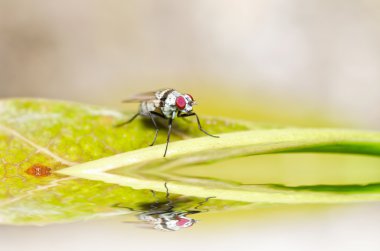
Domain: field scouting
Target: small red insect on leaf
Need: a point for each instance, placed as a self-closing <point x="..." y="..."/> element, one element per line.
<point x="39" y="170"/>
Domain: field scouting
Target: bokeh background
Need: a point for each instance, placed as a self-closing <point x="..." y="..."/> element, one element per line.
<point x="310" y="63"/>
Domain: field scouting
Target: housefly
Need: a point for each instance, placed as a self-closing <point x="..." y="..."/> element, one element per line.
<point x="167" y="104"/>
<point x="165" y="214"/>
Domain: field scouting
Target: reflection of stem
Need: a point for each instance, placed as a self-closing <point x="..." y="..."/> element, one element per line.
<point x="192" y="179"/>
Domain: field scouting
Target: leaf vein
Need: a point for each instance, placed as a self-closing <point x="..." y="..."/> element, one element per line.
<point x="39" y="148"/>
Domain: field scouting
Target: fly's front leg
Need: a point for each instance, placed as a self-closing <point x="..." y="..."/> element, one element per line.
<point x="183" y="118"/>
<point x="203" y="202"/>
<point x="199" y="123"/>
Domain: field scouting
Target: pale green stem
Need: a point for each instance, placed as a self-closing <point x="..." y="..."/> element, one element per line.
<point x="206" y="149"/>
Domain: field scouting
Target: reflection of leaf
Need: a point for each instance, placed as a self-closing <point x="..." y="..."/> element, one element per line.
<point x="82" y="148"/>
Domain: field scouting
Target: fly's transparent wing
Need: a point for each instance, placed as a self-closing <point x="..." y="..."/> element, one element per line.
<point x="140" y="97"/>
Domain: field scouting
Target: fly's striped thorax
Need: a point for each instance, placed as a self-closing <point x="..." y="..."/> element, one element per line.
<point x="169" y="108"/>
<point x="163" y="94"/>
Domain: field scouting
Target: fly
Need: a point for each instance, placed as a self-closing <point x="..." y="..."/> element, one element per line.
<point x="168" y="214"/>
<point x="167" y="104"/>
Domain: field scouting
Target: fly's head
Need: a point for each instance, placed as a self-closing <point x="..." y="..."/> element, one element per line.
<point x="177" y="222"/>
<point x="168" y="221"/>
<point x="185" y="103"/>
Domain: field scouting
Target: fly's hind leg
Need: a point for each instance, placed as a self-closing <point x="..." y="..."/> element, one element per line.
<point x="154" y="205"/>
<point x="128" y="121"/>
<point x="120" y="205"/>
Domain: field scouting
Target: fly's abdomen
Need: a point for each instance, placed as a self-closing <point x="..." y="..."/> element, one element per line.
<point x="149" y="106"/>
<point x="146" y="107"/>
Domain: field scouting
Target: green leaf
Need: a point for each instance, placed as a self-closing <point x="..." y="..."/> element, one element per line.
<point x="60" y="134"/>
<point x="81" y="146"/>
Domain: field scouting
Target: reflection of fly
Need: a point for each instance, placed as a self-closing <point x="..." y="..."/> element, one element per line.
<point x="167" y="104"/>
<point x="164" y="214"/>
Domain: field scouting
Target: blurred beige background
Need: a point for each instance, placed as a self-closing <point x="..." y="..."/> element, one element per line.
<point x="310" y="62"/>
<point x="288" y="56"/>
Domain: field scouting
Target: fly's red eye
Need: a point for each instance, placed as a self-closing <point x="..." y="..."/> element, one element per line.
<point x="190" y="97"/>
<point x="182" y="221"/>
<point x="180" y="102"/>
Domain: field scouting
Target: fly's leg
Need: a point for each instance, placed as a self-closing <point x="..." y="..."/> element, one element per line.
<point x="155" y="126"/>
<point x="203" y="202"/>
<point x="153" y="194"/>
<point x="154" y="206"/>
<point x="169" y="132"/>
<point x="199" y="123"/>
<point x="128" y="121"/>
<point x="120" y="205"/>
<point x="200" y="127"/>
<point x="167" y="191"/>
<point x="186" y="120"/>
<point x="169" y="202"/>
<point x="183" y="118"/>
